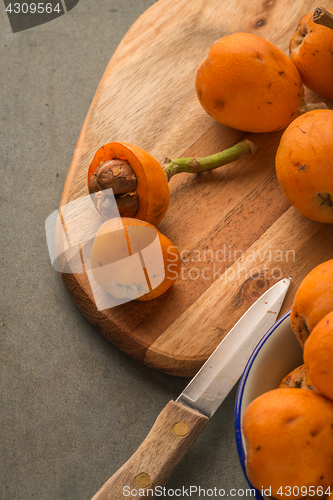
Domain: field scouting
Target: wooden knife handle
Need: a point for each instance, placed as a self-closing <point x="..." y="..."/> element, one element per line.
<point x="173" y="433"/>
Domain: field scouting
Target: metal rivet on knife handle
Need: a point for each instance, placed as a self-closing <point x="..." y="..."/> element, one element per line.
<point x="142" y="480"/>
<point x="180" y="429"/>
<point x="157" y="456"/>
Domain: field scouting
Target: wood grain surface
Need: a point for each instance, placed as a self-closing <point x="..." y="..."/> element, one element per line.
<point x="236" y="232"/>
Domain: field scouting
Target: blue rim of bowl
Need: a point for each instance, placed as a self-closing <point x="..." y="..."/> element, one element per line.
<point x="239" y="397"/>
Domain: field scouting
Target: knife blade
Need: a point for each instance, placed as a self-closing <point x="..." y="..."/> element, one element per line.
<point x="181" y="421"/>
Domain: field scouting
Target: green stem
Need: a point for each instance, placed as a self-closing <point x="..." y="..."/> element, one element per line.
<point x="323" y="16"/>
<point x="198" y="165"/>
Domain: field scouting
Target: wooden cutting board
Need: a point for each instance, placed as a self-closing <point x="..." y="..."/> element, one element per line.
<point x="235" y="230"/>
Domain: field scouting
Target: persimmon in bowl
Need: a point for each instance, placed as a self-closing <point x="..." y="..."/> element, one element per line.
<point x="283" y="432"/>
<point x="276" y="355"/>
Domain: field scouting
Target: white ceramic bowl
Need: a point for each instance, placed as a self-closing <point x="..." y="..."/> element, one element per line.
<point x="277" y="354"/>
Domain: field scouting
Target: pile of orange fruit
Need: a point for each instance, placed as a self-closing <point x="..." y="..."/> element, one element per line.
<point x="247" y="83"/>
<point x="289" y="430"/>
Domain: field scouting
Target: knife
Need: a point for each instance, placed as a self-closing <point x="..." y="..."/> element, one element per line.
<point x="181" y="421"/>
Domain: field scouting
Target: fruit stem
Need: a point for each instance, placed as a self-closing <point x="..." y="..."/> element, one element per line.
<point x="323" y="16"/>
<point x="198" y="165"/>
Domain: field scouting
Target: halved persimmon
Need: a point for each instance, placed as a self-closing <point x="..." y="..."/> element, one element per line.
<point x="150" y="186"/>
<point x="131" y="259"/>
<point x="139" y="183"/>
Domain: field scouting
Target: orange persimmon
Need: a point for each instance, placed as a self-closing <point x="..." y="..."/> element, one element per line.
<point x="311" y="50"/>
<point x="122" y="277"/>
<point x="313" y="300"/>
<point x="298" y="378"/>
<point x="249" y="84"/>
<point x="152" y="186"/>
<point x="139" y="183"/>
<point x="318" y="356"/>
<point x="289" y="442"/>
<point x="304" y="164"/>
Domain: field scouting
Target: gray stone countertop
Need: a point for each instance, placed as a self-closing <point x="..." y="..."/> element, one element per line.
<point x="73" y="407"/>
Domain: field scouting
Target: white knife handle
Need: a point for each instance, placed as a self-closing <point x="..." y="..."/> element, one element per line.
<point x="173" y="433"/>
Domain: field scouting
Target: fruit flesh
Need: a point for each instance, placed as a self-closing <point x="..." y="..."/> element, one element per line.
<point x="304" y="164"/>
<point x="289" y="442"/>
<point x="118" y="239"/>
<point x="249" y="84"/>
<point x="311" y="50"/>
